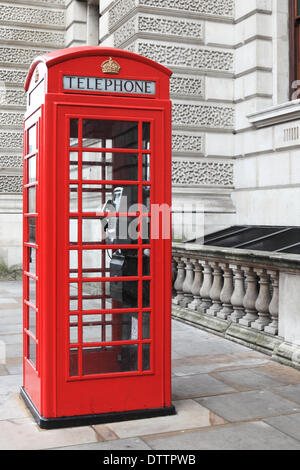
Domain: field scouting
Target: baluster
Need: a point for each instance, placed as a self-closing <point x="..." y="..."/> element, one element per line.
<point x="274" y="304"/>
<point x="238" y="294"/>
<point x="263" y="301"/>
<point x="205" y="289"/>
<point x="250" y="298"/>
<point x="216" y="289"/>
<point x="226" y="293"/>
<point x="198" y="277"/>
<point x="179" y="281"/>
<point x="174" y="274"/>
<point x="187" y="285"/>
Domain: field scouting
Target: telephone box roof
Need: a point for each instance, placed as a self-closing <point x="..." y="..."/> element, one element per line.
<point x="63" y="55"/>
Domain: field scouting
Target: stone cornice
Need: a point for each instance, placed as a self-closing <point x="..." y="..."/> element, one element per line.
<point x="278" y="114"/>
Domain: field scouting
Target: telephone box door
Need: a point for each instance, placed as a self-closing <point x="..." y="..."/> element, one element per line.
<point x="113" y="344"/>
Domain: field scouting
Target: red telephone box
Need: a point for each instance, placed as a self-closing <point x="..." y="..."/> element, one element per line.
<point x="97" y="259"/>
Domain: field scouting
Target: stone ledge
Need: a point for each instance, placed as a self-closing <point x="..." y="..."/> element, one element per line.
<point x="275" y="347"/>
<point x="278" y="114"/>
<point x="268" y="259"/>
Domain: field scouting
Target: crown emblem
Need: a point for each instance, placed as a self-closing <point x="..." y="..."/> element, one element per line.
<point x="110" y="66"/>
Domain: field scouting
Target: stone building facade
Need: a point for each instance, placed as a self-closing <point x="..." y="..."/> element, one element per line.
<point x="235" y="131"/>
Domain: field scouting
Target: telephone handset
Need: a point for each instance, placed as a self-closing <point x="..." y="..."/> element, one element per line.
<point x="111" y="206"/>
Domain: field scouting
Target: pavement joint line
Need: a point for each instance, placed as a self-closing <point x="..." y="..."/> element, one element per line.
<point x="250" y="388"/>
<point x="206" y="396"/>
<point x="93" y="426"/>
<point x="261" y="418"/>
<point x="280" y="430"/>
<point x="216" y="426"/>
<point x="279" y="393"/>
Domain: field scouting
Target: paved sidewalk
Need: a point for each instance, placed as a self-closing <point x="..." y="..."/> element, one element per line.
<point x="226" y="396"/>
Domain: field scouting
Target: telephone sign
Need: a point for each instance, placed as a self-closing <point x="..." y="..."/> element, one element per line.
<point x="109" y="85"/>
<point x="97" y="262"/>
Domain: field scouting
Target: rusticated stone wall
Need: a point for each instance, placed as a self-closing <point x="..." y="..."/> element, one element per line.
<point x="27" y="29"/>
<point x="195" y="39"/>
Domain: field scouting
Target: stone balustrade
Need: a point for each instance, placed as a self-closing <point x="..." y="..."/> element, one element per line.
<point x="243" y="295"/>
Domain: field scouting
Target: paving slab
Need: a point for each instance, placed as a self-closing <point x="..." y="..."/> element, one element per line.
<point x="14" y="350"/>
<point x="215" y="383"/>
<point x="245" y="436"/>
<point x="292" y="392"/>
<point x="8" y="301"/>
<point x="24" y="434"/>
<point x="246" y="406"/>
<point x="194" y="365"/>
<point x="11" y="329"/>
<point x="190" y="415"/>
<point x="14" y="338"/>
<point x="13" y="407"/>
<point x="186" y="348"/>
<point x="120" y="444"/>
<point x="289" y="424"/>
<point x="284" y="374"/>
<point x="248" y="379"/>
<point x="198" y="386"/>
<point x="3" y="370"/>
<point x="14" y="365"/>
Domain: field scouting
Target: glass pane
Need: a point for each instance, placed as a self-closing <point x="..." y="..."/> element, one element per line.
<point x="146" y="262"/>
<point x="146" y="135"/>
<point x="124" y="263"/>
<point x="110" y="230"/>
<point x="92" y="328"/>
<point x="110" y="359"/>
<point x="93" y="230"/>
<point x="74" y="166"/>
<point x="73" y="257"/>
<point x="94" y="165"/>
<point x="73" y="132"/>
<point x="32" y="229"/>
<point x="146" y="356"/>
<point x="125" y="167"/>
<point x="94" y="197"/>
<point x="32" y="351"/>
<point x="107" y="198"/>
<point x="146" y="325"/>
<point x="32" y="199"/>
<point x="32" y="139"/>
<point x="73" y="329"/>
<point x="73" y="296"/>
<point x="146" y="167"/>
<point x="95" y="263"/>
<point x="32" y="291"/>
<point x="146" y="294"/>
<point x="109" y="134"/>
<point x="109" y="263"/>
<point x="110" y="327"/>
<point x="146" y="199"/>
<point x="109" y="295"/>
<point x="73" y="198"/>
<point x="32" y="320"/>
<point x="37" y="94"/>
<point x="73" y="362"/>
<point x="145" y="230"/>
<point x="121" y="230"/>
<point x="32" y="169"/>
<point x="32" y="260"/>
<point x="73" y="227"/>
<point x="298" y="8"/>
<point x="109" y="166"/>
